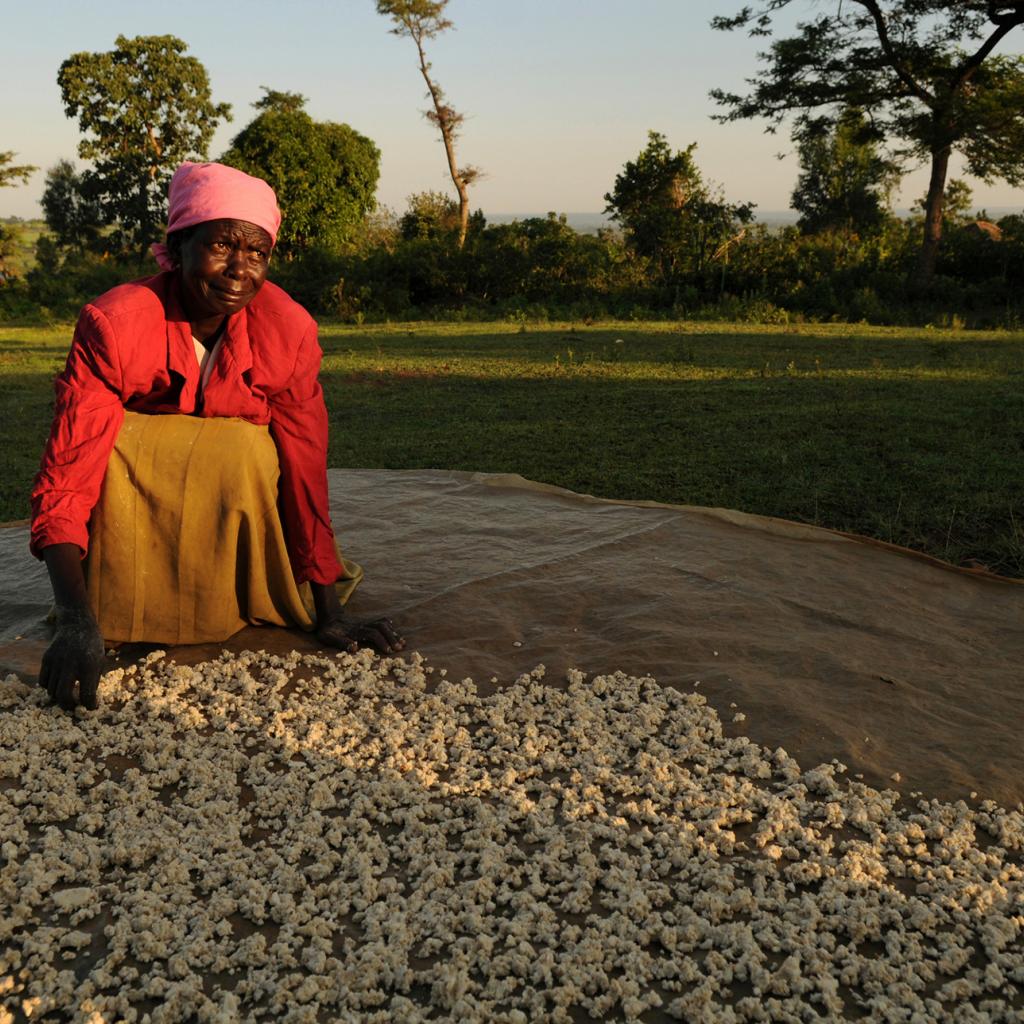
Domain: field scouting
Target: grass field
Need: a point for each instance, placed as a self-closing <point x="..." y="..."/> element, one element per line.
<point x="908" y="435"/>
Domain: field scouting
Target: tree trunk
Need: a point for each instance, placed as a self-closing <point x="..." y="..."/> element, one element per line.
<point x="457" y="179"/>
<point x="447" y="121"/>
<point x="934" y="204"/>
<point x="463" y="210"/>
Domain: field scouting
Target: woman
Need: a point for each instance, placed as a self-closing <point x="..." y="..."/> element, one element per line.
<point x="188" y="451"/>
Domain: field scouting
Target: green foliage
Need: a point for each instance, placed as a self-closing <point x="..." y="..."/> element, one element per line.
<point x="10" y="234"/>
<point x="539" y="268"/>
<point x="533" y="265"/>
<point x="63" y="280"/>
<point x="956" y="208"/>
<point x="16" y="303"/>
<point x="844" y="183"/>
<point x="418" y="18"/>
<point x="429" y="215"/>
<point x="78" y="257"/>
<point x="275" y="99"/>
<point x="924" y="69"/>
<point x="668" y="213"/>
<point x="10" y="173"/>
<point x="9" y="238"/>
<point x="990" y="119"/>
<point x="978" y="258"/>
<point x="74" y="218"/>
<point x="18" y="239"/>
<point x="312" y="278"/>
<point x="144" y="107"/>
<point x="923" y="88"/>
<point x="325" y="174"/>
<point x="541" y="260"/>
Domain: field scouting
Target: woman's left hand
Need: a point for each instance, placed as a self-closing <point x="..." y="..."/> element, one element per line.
<point x="351" y="634"/>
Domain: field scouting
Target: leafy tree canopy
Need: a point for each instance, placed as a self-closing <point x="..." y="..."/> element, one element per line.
<point x="143" y="108"/>
<point x="325" y="174"/>
<point x="925" y="70"/>
<point x="275" y="99"/>
<point x="669" y="214"/>
<point x="904" y="61"/>
<point x="11" y="174"/>
<point x="74" y="218"/>
<point x="429" y="215"/>
<point x="845" y="183"/>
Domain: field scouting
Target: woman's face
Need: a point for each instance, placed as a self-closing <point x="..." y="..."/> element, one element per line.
<point x="223" y="265"/>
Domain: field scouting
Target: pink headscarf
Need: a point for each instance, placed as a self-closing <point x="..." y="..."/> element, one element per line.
<point x="202" y="192"/>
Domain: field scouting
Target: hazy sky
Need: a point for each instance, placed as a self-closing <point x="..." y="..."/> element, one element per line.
<point x="558" y="93"/>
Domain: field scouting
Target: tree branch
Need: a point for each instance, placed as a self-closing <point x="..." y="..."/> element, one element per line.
<point x="1013" y="19"/>
<point x="882" y="31"/>
<point x="1004" y="23"/>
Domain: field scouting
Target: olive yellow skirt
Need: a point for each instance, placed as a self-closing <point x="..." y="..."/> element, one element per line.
<point x="186" y="545"/>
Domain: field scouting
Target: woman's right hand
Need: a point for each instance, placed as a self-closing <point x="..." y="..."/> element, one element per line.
<point x="73" y="662"/>
<point x="351" y="634"/>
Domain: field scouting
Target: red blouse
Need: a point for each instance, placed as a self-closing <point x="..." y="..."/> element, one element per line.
<point x="133" y="349"/>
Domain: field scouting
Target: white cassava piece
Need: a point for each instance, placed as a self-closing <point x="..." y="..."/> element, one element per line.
<point x="304" y="838"/>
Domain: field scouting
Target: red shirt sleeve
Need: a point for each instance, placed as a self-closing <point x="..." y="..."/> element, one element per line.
<point x="298" y="424"/>
<point x="88" y="413"/>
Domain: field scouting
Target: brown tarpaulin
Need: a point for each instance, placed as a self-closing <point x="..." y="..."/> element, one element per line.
<point x="830" y="646"/>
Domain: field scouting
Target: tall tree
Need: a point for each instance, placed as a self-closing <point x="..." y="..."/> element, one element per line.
<point x="325" y="174"/>
<point x="669" y="214"/>
<point x="143" y="107"/>
<point x="845" y="182"/>
<point x="923" y="69"/>
<point x="421" y="20"/>
<point x="74" y="219"/>
<point x="9" y="175"/>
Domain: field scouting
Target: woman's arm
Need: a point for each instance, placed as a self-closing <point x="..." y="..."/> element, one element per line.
<point x="88" y="413"/>
<point x="87" y="416"/>
<point x="75" y="656"/>
<point x="298" y="424"/>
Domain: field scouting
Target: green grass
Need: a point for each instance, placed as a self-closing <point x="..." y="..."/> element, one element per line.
<point x="911" y="436"/>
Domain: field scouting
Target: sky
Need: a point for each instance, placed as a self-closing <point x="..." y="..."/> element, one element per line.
<point x="558" y="94"/>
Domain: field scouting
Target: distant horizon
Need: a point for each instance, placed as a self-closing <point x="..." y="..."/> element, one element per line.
<point x="589" y="220"/>
<point x="898" y="211"/>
